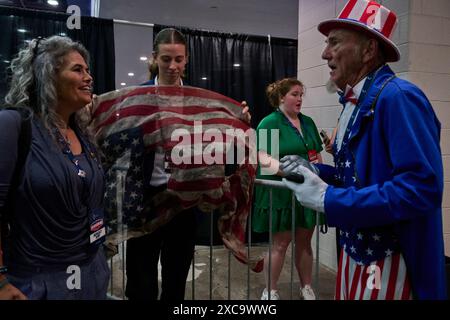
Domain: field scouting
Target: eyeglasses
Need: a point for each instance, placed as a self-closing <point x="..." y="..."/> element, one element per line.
<point x="35" y="49"/>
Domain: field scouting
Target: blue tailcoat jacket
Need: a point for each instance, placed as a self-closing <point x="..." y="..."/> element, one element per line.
<point x="398" y="164"/>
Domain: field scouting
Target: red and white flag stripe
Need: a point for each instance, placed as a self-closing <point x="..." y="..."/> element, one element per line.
<point x="386" y="279"/>
<point x="372" y="14"/>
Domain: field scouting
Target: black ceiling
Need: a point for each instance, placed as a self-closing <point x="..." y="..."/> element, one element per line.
<point x="36" y="4"/>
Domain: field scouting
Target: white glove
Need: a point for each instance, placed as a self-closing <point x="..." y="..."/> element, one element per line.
<point x="311" y="193"/>
<point x="290" y="163"/>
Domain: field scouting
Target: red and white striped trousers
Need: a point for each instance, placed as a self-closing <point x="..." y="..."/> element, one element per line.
<point x="386" y="279"/>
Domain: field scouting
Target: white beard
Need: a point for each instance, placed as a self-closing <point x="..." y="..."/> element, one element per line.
<point x="331" y="86"/>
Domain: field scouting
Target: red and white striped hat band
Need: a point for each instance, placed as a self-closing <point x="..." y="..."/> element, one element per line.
<point x="367" y="16"/>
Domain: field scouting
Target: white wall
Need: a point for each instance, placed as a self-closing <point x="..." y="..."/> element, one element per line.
<point x="429" y="37"/>
<point x="321" y="106"/>
<point x="423" y="37"/>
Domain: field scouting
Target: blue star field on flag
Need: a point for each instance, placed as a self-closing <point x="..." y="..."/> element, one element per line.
<point x="127" y="144"/>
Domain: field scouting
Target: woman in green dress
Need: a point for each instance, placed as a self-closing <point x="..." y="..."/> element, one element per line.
<point x="297" y="135"/>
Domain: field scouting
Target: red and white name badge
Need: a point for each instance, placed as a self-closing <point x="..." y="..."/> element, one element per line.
<point x="313" y="156"/>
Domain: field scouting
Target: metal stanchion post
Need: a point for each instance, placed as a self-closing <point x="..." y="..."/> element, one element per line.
<point x="293" y="244"/>
<point x="229" y="275"/>
<point x="193" y="274"/>
<point x="249" y="245"/>
<point x="316" y="282"/>
<point x="123" y="270"/>
<point x="211" y="231"/>
<point x="111" y="278"/>
<point x="269" y="289"/>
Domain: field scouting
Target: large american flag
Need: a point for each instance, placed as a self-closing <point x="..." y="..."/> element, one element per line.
<point x="133" y="121"/>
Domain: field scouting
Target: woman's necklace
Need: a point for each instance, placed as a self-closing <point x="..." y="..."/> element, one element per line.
<point x="64" y="133"/>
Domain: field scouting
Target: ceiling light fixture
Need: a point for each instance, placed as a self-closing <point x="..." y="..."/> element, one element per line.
<point x="130" y="74"/>
<point x="123" y="84"/>
<point x="204" y="78"/>
<point x="236" y="65"/>
<point x="53" y="3"/>
<point x="143" y="58"/>
<point x="21" y="30"/>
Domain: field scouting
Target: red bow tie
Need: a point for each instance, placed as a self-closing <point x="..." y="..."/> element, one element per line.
<point x="349" y="96"/>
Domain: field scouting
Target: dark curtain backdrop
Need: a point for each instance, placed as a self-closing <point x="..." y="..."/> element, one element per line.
<point x="212" y="64"/>
<point x="97" y="35"/>
<point x="214" y="56"/>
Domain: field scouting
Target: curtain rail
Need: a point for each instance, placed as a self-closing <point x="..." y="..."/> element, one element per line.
<point x="133" y="23"/>
<point x="151" y="25"/>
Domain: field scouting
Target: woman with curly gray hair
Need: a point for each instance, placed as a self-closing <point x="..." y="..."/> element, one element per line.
<point x="55" y="210"/>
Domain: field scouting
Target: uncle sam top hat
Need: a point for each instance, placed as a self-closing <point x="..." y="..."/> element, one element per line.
<point x="369" y="17"/>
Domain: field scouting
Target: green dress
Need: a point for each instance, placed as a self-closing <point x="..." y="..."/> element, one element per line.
<point x="291" y="142"/>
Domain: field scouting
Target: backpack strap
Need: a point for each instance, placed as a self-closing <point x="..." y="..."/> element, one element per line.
<point x="23" y="147"/>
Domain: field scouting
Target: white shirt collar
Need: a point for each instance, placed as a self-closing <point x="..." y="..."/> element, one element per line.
<point x="156" y="81"/>
<point x="357" y="88"/>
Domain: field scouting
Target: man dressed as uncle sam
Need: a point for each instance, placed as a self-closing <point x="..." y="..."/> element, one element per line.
<point x="385" y="191"/>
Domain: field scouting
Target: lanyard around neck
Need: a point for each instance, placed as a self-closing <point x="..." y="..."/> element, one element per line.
<point x="67" y="151"/>
<point x="305" y="132"/>
<point x="80" y="171"/>
<point x="367" y="84"/>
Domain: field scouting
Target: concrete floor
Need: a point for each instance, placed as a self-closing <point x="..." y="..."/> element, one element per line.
<point x="238" y="287"/>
